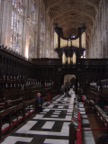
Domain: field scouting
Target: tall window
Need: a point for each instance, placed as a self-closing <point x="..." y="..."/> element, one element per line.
<point x="33" y="14"/>
<point x="32" y="28"/>
<point x="17" y="25"/>
<point x="42" y="31"/>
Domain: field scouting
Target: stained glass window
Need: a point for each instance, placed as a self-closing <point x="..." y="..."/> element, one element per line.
<point x="17" y="25"/>
<point x="33" y="14"/>
<point x="32" y="28"/>
<point x="42" y="31"/>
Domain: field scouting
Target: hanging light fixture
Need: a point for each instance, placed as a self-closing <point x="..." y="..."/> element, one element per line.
<point x="64" y="58"/>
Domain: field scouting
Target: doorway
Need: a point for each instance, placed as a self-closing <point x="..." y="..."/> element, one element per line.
<point x="71" y="79"/>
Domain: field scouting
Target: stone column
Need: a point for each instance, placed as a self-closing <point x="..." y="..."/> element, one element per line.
<point x="47" y="36"/>
<point x="8" y="25"/>
<point x="36" y="43"/>
<point x="6" y="8"/>
<point x="52" y="42"/>
<point x="1" y="19"/>
<point x="103" y="31"/>
<point x="38" y="29"/>
<point x="98" y="43"/>
<point x="106" y="26"/>
<point x="24" y="45"/>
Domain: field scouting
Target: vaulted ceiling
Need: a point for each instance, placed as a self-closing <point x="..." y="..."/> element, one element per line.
<point x="71" y="14"/>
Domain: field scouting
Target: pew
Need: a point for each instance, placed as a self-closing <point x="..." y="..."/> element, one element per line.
<point x="13" y="109"/>
<point x="29" y="108"/>
<point x="13" y="116"/>
<point x="102" y="115"/>
<point x="6" y="121"/>
<point x="17" y="107"/>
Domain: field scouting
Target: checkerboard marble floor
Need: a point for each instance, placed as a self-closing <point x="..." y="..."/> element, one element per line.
<point x="87" y="135"/>
<point x="51" y="126"/>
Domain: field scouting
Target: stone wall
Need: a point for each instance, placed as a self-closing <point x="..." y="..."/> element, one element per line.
<point x="98" y="44"/>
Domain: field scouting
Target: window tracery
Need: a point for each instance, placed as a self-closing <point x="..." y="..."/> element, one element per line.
<point x="32" y="28"/>
<point x="17" y="25"/>
<point x="42" y="31"/>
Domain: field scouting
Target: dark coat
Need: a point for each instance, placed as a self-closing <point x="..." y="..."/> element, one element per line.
<point x="38" y="104"/>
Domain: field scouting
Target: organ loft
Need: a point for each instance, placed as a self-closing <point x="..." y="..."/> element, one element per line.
<point x="53" y="71"/>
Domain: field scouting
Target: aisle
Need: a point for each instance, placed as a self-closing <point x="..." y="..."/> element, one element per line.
<point x="48" y="127"/>
<point x="87" y="135"/>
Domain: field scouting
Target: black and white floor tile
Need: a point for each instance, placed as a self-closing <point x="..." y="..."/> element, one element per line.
<point x="51" y="126"/>
<point x="87" y="133"/>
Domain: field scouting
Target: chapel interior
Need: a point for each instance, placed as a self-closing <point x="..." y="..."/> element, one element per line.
<point x="60" y="49"/>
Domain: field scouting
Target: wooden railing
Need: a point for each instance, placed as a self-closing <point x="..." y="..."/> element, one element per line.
<point x="11" y="117"/>
<point x="15" y="111"/>
<point x="102" y="115"/>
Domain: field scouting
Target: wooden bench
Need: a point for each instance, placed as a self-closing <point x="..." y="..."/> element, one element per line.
<point x="13" y="116"/>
